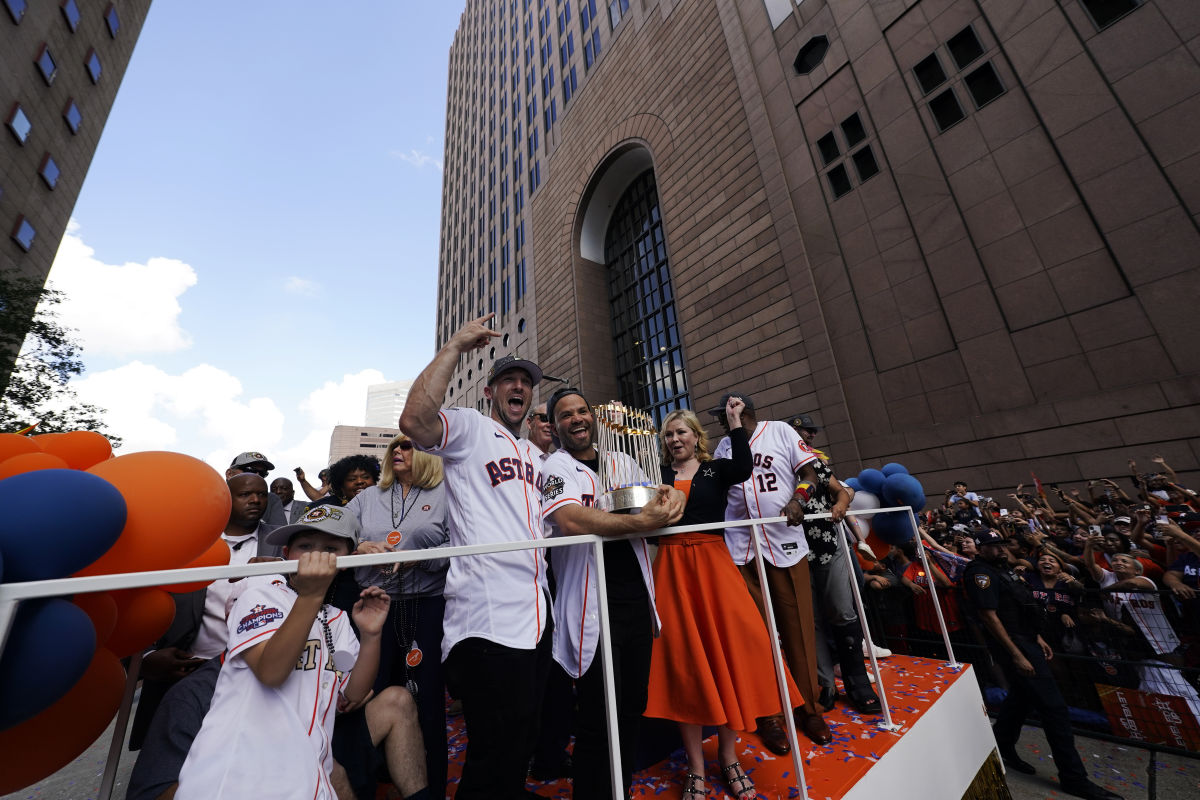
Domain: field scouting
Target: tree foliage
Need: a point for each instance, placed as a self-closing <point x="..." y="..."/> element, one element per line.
<point x="44" y="356"/>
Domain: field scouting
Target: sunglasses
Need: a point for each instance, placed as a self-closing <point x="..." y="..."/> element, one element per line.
<point x="262" y="473"/>
<point x="540" y="417"/>
<point x="404" y="446"/>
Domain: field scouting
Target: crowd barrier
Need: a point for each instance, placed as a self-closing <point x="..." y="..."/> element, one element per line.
<point x="11" y="594"/>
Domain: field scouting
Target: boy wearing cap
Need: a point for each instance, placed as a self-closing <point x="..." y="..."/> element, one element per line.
<point x="291" y="661"/>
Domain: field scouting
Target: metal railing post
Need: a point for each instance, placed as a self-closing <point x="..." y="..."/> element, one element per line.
<point x="937" y="607"/>
<point x="610" y="683"/>
<point x="118" y="737"/>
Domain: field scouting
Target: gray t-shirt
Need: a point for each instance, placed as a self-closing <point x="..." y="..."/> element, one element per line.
<point x="413" y="522"/>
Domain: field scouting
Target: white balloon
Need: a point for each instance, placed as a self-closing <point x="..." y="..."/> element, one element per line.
<point x="864" y="501"/>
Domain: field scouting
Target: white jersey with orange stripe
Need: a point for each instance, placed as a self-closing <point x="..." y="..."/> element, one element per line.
<point x="567" y="481"/>
<point x="259" y="741"/>
<point x="1145" y="608"/>
<point x="779" y="454"/>
<point x="492" y="489"/>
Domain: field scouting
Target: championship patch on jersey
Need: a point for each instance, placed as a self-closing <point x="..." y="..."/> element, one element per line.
<point x="983" y="581"/>
<point x="321" y="512"/>
<point x="553" y="487"/>
<point x="259" y="616"/>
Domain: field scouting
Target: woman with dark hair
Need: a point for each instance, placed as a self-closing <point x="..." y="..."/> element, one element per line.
<point x="347" y="477"/>
<point x="1058" y="593"/>
<point x="711" y="665"/>
<point x="407" y="511"/>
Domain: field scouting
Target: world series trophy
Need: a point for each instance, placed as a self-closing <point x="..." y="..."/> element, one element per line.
<point x="627" y="444"/>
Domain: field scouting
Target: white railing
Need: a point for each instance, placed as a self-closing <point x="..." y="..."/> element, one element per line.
<point x="11" y="594"/>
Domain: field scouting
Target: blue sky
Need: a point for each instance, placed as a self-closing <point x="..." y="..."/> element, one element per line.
<point x="257" y="238"/>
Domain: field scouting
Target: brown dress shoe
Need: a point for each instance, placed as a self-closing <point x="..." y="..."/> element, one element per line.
<point x="774" y="738"/>
<point x="813" y="726"/>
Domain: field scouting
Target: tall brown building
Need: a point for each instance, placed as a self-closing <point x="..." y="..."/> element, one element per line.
<point x="61" y="62"/>
<point x="961" y="233"/>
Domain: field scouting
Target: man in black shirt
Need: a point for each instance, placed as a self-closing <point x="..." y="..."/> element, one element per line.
<point x="1006" y="609"/>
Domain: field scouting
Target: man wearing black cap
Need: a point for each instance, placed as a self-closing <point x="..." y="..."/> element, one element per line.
<point x="495" y="653"/>
<point x="1006" y="609"/>
<point x="254" y="463"/>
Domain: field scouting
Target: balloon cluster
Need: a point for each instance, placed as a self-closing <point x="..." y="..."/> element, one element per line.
<point x="72" y="509"/>
<point x="882" y="488"/>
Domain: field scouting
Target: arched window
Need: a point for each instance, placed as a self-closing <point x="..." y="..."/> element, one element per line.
<point x="650" y="368"/>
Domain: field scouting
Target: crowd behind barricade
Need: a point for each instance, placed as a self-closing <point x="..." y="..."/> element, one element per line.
<point x="318" y="684"/>
<point x="1115" y="573"/>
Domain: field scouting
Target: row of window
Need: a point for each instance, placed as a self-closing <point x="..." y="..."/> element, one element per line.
<point x="982" y="83"/>
<point x="852" y="148"/>
<point x="70" y="12"/>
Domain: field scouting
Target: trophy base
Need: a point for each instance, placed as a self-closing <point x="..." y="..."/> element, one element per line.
<point x="627" y="500"/>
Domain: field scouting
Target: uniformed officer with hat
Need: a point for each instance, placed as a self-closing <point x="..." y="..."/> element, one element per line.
<point x="1005" y="607"/>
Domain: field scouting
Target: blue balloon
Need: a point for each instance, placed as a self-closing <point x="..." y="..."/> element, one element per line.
<point x="893" y="527"/>
<point x="49" y="647"/>
<point x="56" y="522"/>
<point x="893" y="468"/>
<point x="853" y="483"/>
<point x="902" y="489"/>
<point x="872" y="481"/>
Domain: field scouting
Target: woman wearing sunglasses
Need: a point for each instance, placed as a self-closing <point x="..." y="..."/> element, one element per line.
<point x="406" y="510"/>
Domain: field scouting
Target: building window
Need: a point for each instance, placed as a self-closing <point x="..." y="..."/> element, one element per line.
<point x="23" y="233"/>
<point x="70" y="12"/>
<point x="946" y="110"/>
<point x="852" y="129"/>
<point x="839" y="181"/>
<point x="92" y="62"/>
<point x="964" y="47"/>
<point x="828" y="147"/>
<point x="112" y="20"/>
<point x="929" y="73"/>
<point x="16" y="10"/>
<point x="811" y="55"/>
<point x="854" y="135"/>
<point x="984" y="85"/>
<point x="72" y="116"/>
<point x="616" y="10"/>
<point x="649" y="358"/>
<point x="19" y="123"/>
<point x="1106" y="12"/>
<point x="865" y="164"/>
<point x="49" y="171"/>
<point x="45" y="64"/>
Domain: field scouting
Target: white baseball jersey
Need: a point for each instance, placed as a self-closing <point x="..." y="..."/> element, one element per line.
<point x="491" y="483"/>
<point x="264" y="742"/>
<point x="567" y="481"/>
<point x="779" y="453"/>
<point x="1145" y="607"/>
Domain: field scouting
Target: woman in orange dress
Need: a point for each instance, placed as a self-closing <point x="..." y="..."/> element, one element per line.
<point x="712" y="663"/>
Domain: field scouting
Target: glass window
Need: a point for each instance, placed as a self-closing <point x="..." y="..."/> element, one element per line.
<point x="72" y="116"/>
<point x="853" y="130"/>
<point x="16" y="10"/>
<point x="46" y="65"/>
<point x="649" y="357"/>
<point x="964" y="47"/>
<point x="19" y="123"/>
<point x="70" y="11"/>
<point x="984" y="85"/>
<point x="616" y="10"/>
<point x="49" y="171"/>
<point x="946" y="110"/>
<point x="811" y="55"/>
<point x="1106" y="12"/>
<point x="92" y="62"/>
<point x="828" y="147"/>
<point x="865" y="164"/>
<point x="839" y="180"/>
<point x="23" y="233"/>
<point x="929" y="73"/>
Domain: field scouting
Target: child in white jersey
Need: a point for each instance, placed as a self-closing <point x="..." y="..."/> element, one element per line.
<point x="292" y="659"/>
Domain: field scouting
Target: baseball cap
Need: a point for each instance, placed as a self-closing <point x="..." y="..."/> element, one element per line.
<point x="559" y="394"/>
<point x="717" y="411"/>
<point x="1122" y="521"/>
<point x="988" y="537"/>
<point x="504" y="363"/>
<point x="332" y="520"/>
<point x="250" y="457"/>
<point x="804" y="422"/>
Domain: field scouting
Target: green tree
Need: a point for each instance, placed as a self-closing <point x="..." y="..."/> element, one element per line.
<point x="38" y="357"/>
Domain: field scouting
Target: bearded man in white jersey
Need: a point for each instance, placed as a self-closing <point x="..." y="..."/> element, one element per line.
<point x="570" y="490"/>
<point x="495" y="649"/>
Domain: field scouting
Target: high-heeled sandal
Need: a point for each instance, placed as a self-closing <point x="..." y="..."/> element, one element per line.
<point x="693" y="787"/>
<point x="738" y="782"/>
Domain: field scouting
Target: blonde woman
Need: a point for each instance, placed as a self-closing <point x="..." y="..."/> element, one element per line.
<point x="407" y="511"/>
<point x="712" y="663"/>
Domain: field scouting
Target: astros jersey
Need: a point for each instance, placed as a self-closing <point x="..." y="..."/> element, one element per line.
<point x="779" y="453"/>
<point x="264" y="742"/>
<point x="1145" y="608"/>
<point x="491" y="485"/>
<point x="566" y="481"/>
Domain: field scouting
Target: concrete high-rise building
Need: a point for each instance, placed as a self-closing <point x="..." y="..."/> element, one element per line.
<point x="385" y="401"/>
<point x="60" y="66"/>
<point x="350" y="440"/>
<point x="963" y="234"/>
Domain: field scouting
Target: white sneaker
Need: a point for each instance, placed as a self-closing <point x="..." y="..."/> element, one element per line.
<point x="880" y="652"/>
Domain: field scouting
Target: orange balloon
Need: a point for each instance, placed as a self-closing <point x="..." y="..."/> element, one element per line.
<point x="14" y="444"/>
<point x="216" y="556"/>
<point x="101" y="609"/>
<point x="80" y="449"/>
<point x="177" y="506"/>
<point x="143" y="616"/>
<point x="29" y="462"/>
<point x="39" y="747"/>
<point x="878" y="546"/>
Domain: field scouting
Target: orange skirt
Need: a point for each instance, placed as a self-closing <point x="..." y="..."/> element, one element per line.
<point x="712" y="665"/>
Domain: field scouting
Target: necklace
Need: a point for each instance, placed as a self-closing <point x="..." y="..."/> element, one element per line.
<point x="341" y="660"/>
<point x="405" y="506"/>
<point x="404" y="621"/>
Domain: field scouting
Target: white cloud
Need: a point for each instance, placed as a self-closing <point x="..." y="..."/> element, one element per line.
<point x="343" y="403"/>
<point x="301" y="286"/>
<point x="418" y="158"/>
<point x="120" y="309"/>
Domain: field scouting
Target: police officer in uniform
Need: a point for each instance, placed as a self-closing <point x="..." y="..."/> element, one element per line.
<point x="1005" y="607"/>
